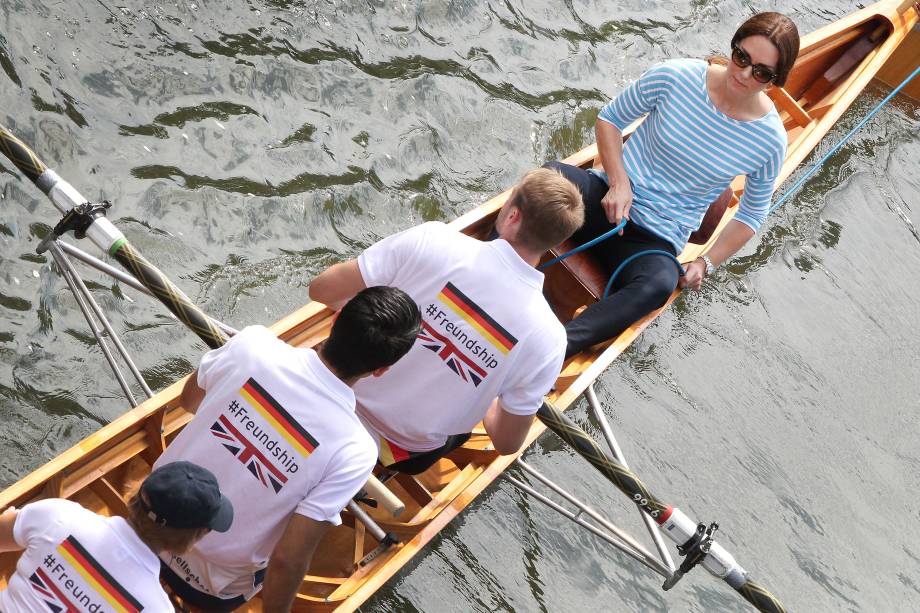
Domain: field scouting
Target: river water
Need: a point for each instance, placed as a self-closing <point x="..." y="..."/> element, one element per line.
<point x="248" y="145"/>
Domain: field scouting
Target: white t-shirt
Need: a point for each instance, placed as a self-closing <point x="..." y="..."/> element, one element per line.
<point x="75" y="560"/>
<point x="279" y="432"/>
<point x="487" y="332"/>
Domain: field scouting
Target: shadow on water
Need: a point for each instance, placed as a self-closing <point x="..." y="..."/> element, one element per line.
<point x="401" y="68"/>
<point x="532" y="550"/>
<point x="6" y="63"/>
<point x="178" y="118"/>
<point x="304" y="182"/>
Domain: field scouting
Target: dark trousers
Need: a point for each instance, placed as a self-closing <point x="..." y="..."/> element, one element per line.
<point x="201" y="600"/>
<point x="421" y="462"/>
<point x="640" y="288"/>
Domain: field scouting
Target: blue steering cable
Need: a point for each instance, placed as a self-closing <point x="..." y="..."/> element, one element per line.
<point x="605" y="236"/>
<point x="680" y="268"/>
<point x="841" y="142"/>
<point x="581" y="248"/>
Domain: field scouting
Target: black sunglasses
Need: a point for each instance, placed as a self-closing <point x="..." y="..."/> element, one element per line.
<point x="761" y="73"/>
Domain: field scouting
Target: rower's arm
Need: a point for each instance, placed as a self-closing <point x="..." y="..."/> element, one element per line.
<point x="192" y="395"/>
<point x="610" y="150"/>
<point x="618" y="199"/>
<point x="290" y="561"/>
<point x="7" y="521"/>
<point x="733" y="238"/>
<point x="337" y="285"/>
<point x="506" y="430"/>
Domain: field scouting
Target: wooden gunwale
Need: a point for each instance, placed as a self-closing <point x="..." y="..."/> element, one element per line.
<point x="97" y="471"/>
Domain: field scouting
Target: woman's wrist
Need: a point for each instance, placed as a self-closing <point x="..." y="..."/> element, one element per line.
<point x="707" y="264"/>
<point x="618" y="177"/>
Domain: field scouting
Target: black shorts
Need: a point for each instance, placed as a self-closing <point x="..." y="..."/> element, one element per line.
<point x="201" y="600"/>
<point x="422" y="461"/>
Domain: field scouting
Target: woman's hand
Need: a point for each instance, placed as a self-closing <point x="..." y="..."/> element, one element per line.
<point x="617" y="202"/>
<point x="693" y="277"/>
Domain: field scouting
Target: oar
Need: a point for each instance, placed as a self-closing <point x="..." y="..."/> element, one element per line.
<point x="85" y="218"/>
<point x="693" y="540"/>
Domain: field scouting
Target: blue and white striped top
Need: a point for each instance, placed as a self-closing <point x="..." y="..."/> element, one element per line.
<point x="687" y="151"/>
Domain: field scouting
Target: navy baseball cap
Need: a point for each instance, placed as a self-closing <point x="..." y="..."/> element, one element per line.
<point x="185" y="495"/>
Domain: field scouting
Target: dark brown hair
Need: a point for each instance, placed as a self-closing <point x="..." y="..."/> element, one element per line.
<point x="551" y="206"/>
<point x="779" y="30"/>
<point x="160" y="538"/>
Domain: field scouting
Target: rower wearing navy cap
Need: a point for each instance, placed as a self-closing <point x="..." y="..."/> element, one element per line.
<point x="185" y="495"/>
<point x="76" y="560"/>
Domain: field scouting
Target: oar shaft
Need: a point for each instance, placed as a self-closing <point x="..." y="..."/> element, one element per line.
<point x="625" y="480"/>
<point x="21" y="155"/>
<point x="170" y="295"/>
<point x="673" y="522"/>
<point x="61" y="193"/>
<point x="762" y="599"/>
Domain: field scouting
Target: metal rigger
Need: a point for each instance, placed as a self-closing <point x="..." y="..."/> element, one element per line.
<point x="87" y="219"/>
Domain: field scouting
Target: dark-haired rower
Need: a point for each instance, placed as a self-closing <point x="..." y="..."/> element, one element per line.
<point x="277" y="425"/>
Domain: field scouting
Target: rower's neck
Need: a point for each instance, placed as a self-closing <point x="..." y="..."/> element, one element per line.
<point x="136" y="529"/>
<point x="349" y="381"/>
<point x="528" y="255"/>
<point x="525" y="254"/>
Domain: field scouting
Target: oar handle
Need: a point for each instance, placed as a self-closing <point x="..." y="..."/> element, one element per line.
<point x="382" y="494"/>
<point x="21" y="155"/>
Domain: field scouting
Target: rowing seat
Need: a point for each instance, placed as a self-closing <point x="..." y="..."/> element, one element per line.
<point x="591" y="276"/>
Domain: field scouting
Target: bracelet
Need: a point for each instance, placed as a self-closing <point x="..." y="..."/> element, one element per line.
<point x="708" y="263"/>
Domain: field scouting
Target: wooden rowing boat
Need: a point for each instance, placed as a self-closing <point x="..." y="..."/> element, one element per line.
<point x="835" y="64"/>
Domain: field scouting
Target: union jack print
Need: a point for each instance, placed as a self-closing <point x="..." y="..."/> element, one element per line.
<point x="254" y="460"/>
<point x="50" y="593"/>
<point x="456" y="360"/>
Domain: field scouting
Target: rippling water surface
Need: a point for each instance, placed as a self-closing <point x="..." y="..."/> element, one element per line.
<point x="248" y="145"/>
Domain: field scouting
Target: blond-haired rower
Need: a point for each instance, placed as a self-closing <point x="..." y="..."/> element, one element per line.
<point x="76" y="560"/>
<point x="490" y="346"/>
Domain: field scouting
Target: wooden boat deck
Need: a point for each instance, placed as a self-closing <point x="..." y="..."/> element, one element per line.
<point x="834" y="65"/>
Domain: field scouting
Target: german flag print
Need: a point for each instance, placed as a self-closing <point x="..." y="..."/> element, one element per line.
<point x="280" y="420"/>
<point x="97" y="577"/>
<point x="391" y="453"/>
<point x="476" y="317"/>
